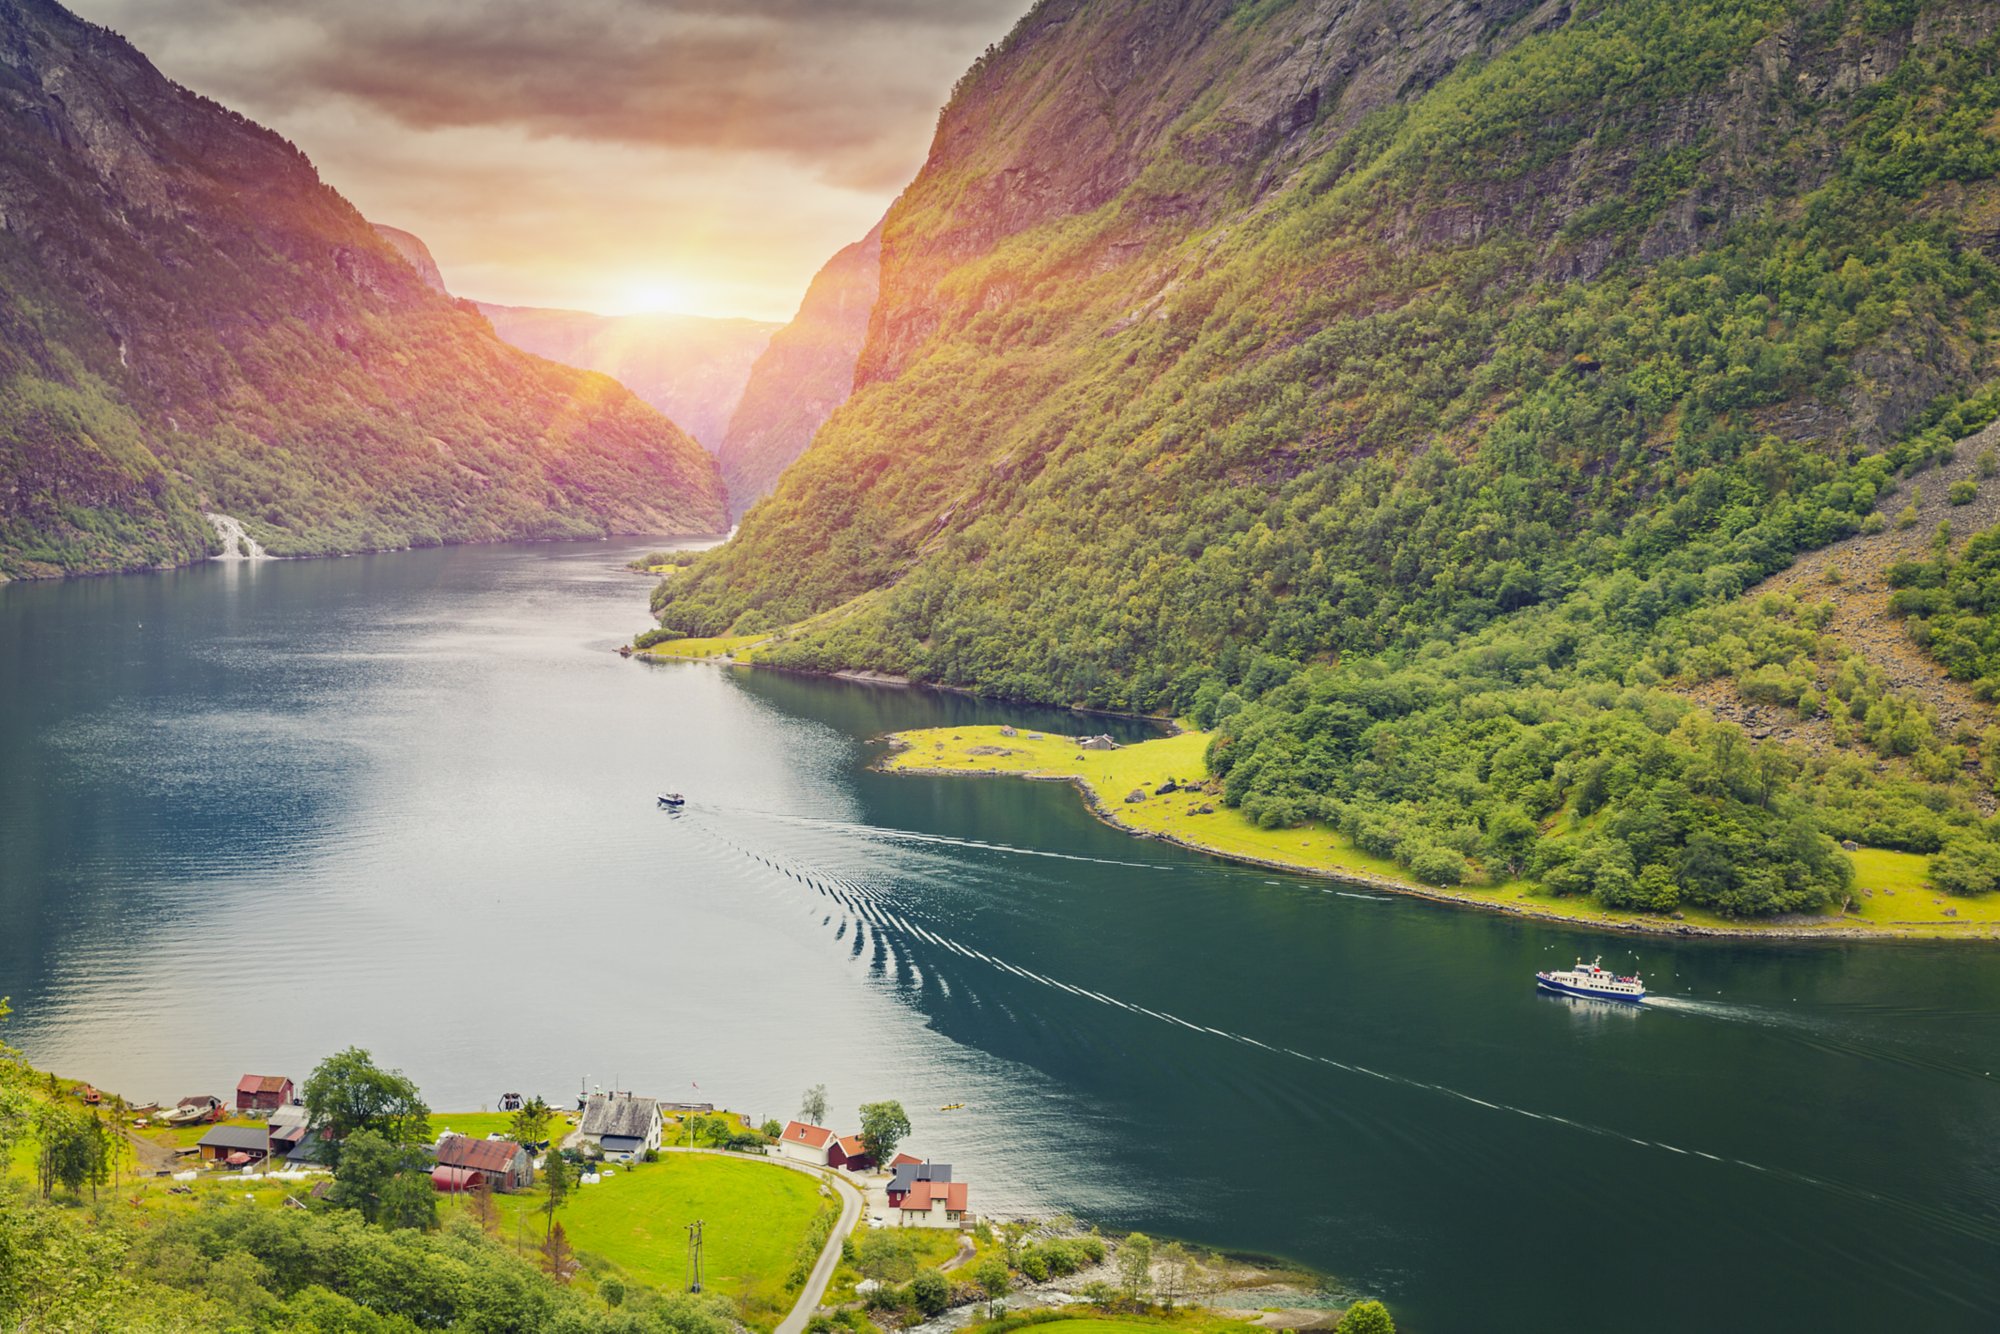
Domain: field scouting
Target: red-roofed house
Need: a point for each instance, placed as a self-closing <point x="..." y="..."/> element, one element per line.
<point x="848" y="1152"/>
<point x="806" y="1144"/>
<point x="262" y="1093"/>
<point x="464" y="1162"/>
<point x="933" y="1204"/>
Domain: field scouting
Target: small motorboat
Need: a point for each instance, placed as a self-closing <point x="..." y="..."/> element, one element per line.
<point x="672" y="801"/>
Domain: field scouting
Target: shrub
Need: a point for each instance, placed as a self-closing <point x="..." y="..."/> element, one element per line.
<point x="648" y="638"/>
<point x="930" y="1293"/>
<point x="1962" y="493"/>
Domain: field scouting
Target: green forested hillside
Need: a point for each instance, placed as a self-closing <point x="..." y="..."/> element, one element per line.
<point x="1415" y="390"/>
<point x="191" y="321"/>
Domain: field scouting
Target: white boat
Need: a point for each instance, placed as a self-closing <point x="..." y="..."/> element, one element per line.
<point x="1594" y="980"/>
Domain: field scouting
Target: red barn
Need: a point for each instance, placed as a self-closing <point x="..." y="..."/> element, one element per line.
<point x="262" y="1093"/>
<point x="848" y="1152"/>
<point x="464" y="1162"/>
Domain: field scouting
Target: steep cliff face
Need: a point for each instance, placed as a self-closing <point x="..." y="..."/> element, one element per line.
<point x="412" y="248"/>
<point x="195" y="322"/>
<point x="690" y="367"/>
<point x="1329" y="326"/>
<point x="806" y="372"/>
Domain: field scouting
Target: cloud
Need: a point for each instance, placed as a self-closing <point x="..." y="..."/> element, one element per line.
<point x="845" y="88"/>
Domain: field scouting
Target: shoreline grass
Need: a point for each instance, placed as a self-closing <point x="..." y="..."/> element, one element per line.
<point x="1892" y="898"/>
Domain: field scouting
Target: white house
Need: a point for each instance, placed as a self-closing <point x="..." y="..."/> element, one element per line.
<point x="621" y="1126"/>
<point x="806" y="1143"/>
<point x="932" y="1204"/>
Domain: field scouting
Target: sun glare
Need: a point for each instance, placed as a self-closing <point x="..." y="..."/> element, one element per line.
<point x="651" y="298"/>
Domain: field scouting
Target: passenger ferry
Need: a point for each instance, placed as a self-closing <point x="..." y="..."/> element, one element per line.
<point x="1594" y="980"/>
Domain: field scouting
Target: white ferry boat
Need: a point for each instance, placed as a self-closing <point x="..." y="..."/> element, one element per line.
<point x="1594" y="980"/>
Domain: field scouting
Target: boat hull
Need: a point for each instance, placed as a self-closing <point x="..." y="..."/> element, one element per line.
<point x="1571" y="989"/>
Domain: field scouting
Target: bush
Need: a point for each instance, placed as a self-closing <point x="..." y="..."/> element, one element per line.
<point x="1438" y="866"/>
<point x="1962" y="493"/>
<point x="930" y="1293"/>
<point x="1966" y="866"/>
<point x="1366" y="1318"/>
<point x="646" y="639"/>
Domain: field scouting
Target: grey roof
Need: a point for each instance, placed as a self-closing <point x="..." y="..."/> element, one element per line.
<point x="620" y="1115"/>
<point x="623" y="1143"/>
<point x="236" y="1137"/>
<point x="908" y="1174"/>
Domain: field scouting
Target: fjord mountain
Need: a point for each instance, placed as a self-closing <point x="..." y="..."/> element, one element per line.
<point x="196" y="323"/>
<point x="693" y="368"/>
<point x="806" y="373"/>
<point x="412" y="248"/>
<point x="1411" y="392"/>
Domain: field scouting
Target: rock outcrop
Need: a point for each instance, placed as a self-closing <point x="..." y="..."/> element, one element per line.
<point x="803" y="376"/>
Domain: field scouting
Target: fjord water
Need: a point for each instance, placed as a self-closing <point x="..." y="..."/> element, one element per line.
<point x="253" y="813"/>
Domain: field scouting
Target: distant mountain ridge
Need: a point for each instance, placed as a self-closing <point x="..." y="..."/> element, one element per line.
<point x="691" y="367"/>
<point x="193" y="322"/>
<point x="804" y="375"/>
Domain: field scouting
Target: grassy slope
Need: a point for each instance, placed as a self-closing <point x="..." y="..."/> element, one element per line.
<point x="1895" y="898"/>
<point x="635" y="1220"/>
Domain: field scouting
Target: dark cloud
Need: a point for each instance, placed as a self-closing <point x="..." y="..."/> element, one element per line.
<point x="579" y="152"/>
<point x="841" y="85"/>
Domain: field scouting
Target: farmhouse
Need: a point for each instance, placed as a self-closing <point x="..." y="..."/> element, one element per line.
<point x="907" y="1172"/>
<point x="234" y="1146"/>
<point x="932" y="1204"/>
<point x="621" y="1126"/>
<point x="262" y="1093"/>
<point x="465" y="1163"/>
<point x="806" y="1143"/>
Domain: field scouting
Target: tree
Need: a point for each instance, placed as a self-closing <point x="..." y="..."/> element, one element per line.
<point x="70" y="1152"/>
<point x="558" y="1257"/>
<point x="555" y="1175"/>
<point x="380" y="1180"/>
<point x="812" y="1107"/>
<point x="1135" y="1265"/>
<point x="16" y="1107"/>
<point x="994" y="1280"/>
<point x="531" y="1123"/>
<point x="883" y="1126"/>
<point x="409" y="1200"/>
<point x="348" y="1092"/>
<point x="1366" y="1318"/>
<point x="1176" y="1270"/>
<point x="931" y="1292"/>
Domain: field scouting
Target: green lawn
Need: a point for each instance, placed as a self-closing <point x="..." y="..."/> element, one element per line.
<point x="741" y="648"/>
<point x="1900" y="901"/>
<point x="755" y="1218"/>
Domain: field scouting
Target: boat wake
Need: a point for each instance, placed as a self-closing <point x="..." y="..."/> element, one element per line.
<point x="879" y="921"/>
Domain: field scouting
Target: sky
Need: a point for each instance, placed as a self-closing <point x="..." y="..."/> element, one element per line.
<point x="699" y="156"/>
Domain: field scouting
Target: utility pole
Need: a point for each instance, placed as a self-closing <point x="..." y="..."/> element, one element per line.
<point x="694" y="1256"/>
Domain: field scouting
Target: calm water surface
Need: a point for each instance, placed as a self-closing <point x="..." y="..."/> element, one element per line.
<point x="249" y="815"/>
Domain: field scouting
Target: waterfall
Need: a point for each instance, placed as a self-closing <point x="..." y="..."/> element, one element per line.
<point x="236" y="544"/>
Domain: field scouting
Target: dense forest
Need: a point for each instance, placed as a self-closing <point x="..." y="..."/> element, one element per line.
<point x="191" y="322"/>
<point x="1423" y="431"/>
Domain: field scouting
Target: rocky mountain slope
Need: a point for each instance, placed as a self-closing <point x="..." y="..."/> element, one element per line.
<point x="806" y="373"/>
<point x="690" y="367"/>
<point x="195" y="323"/>
<point x="1383" y="383"/>
<point x="412" y="248"/>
